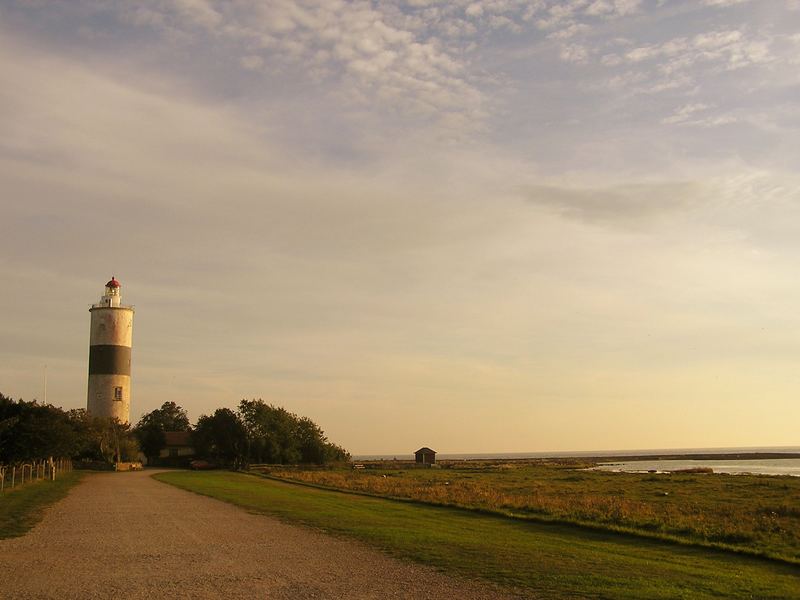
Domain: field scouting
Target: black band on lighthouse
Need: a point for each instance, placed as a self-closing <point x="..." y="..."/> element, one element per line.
<point x="109" y="360"/>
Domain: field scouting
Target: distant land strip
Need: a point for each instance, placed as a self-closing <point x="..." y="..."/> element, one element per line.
<point x="729" y="456"/>
<point x="606" y="457"/>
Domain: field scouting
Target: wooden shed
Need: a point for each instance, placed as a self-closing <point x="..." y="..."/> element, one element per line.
<point x="177" y="449"/>
<point x="425" y="456"/>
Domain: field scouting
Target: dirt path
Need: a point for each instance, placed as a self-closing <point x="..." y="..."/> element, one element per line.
<point x="125" y="535"/>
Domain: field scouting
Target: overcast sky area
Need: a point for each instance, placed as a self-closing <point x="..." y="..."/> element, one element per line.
<point x="489" y="226"/>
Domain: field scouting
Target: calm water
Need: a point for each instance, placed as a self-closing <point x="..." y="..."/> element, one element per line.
<point x="771" y="466"/>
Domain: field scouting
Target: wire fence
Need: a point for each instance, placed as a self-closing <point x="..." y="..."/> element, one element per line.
<point x="19" y="474"/>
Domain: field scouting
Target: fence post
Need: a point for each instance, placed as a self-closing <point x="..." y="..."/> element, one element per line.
<point x="37" y="471"/>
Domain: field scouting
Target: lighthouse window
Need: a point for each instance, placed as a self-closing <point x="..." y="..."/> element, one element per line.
<point x="117" y="393"/>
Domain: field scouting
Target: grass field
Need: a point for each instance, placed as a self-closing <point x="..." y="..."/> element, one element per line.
<point x="551" y="560"/>
<point x="756" y="514"/>
<point x="23" y="507"/>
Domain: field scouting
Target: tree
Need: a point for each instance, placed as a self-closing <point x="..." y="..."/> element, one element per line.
<point x="275" y="435"/>
<point x="170" y="417"/>
<point x="151" y="427"/>
<point x="151" y="440"/>
<point x="221" y="437"/>
<point x="335" y="453"/>
<point x="30" y="431"/>
<point x="270" y="432"/>
<point x="310" y="440"/>
<point x="33" y="431"/>
<point x="102" y="438"/>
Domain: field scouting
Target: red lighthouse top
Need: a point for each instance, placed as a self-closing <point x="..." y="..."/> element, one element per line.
<point x="113" y="283"/>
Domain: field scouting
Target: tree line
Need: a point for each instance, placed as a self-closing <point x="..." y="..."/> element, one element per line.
<point x="256" y="432"/>
<point x="33" y="431"/>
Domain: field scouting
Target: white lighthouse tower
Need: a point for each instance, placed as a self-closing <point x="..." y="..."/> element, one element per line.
<point x="110" y="356"/>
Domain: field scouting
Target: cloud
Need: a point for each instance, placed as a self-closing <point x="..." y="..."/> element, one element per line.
<point x="628" y="205"/>
<point x="569" y="31"/>
<point x="574" y="53"/>
<point x="564" y="17"/>
<point x="729" y="49"/>
<point x="380" y="61"/>
<point x="694" y="70"/>
<point x="684" y="112"/>
<point x="252" y="62"/>
<point x="723" y="3"/>
<point x="474" y="10"/>
<point x="200" y="12"/>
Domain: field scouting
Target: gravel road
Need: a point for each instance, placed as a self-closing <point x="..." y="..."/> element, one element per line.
<point x="125" y="535"/>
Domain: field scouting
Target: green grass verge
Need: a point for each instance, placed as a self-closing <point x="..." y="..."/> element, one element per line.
<point x="551" y="560"/>
<point x="23" y="507"/>
<point x="550" y="519"/>
<point x="757" y="515"/>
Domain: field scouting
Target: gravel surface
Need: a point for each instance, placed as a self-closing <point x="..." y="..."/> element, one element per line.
<point x="125" y="535"/>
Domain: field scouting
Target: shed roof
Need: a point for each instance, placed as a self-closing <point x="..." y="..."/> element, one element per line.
<point x="425" y="450"/>
<point x="178" y="438"/>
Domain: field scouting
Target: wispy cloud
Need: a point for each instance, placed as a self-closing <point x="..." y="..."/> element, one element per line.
<point x="630" y="205"/>
<point x="377" y="59"/>
<point x="682" y="114"/>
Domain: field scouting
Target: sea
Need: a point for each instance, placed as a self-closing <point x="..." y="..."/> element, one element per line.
<point x="756" y="466"/>
<point x="739" y="466"/>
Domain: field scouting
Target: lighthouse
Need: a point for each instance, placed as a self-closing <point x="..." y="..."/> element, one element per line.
<point x="110" y="337"/>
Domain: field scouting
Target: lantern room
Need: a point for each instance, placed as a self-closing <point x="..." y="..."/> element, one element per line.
<point x="111" y="297"/>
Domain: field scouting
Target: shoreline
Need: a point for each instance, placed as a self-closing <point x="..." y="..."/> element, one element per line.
<point x="699" y="456"/>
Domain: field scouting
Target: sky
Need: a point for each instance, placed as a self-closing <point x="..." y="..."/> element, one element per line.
<point x="478" y="226"/>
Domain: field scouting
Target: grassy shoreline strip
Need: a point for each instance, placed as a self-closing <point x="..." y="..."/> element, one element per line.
<point x="756" y="513"/>
<point x="546" y="519"/>
<point x="548" y="560"/>
<point x="21" y="509"/>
